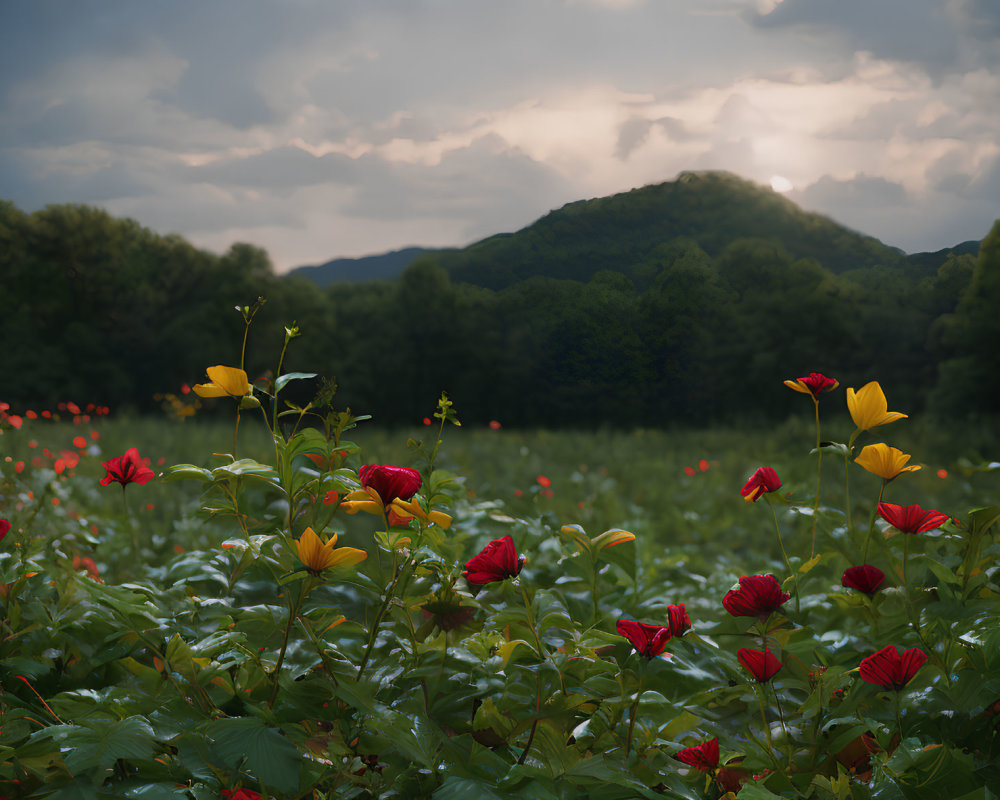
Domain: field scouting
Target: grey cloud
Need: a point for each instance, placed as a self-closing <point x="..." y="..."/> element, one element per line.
<point x="282" y="168"/>
<point x="918" y="31"/>
<point x="863" y="191"/>
<point x="634" y="132"/>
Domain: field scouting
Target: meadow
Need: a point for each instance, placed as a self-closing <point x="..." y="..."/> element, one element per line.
<point x="276" y="619"/>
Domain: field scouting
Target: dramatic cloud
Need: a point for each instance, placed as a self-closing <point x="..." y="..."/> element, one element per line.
<point x="319" y="129"/>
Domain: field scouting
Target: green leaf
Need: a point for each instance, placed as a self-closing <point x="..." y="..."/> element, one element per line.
<point x="187" y="472"/>
<point x="291" y="376"/>
<point x="262" y="750"/>
<point x="753" y="791"/>
<point x="97" y="744"/>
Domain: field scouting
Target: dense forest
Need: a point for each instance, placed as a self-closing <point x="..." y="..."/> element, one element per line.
<point x="668" y="305"/>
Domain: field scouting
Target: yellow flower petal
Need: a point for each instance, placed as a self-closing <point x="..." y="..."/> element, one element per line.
<point x="346" y="557"/>
<point x="885" y="461"/>
<point x="798" y="386"/>
<point x="868" y="407"/>
<point x="208" y="390"/>
<point x="232" y="380"/>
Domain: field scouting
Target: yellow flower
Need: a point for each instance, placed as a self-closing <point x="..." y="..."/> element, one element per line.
<point x="318" y="556"/>
<point x="868" y="407"/>
<point x="225" y="382"/>
<point x="885" y="461"/>
<point x="407" y="509"/>
<point x="366" y="500"/>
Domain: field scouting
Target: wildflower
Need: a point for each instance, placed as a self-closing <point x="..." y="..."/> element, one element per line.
<point x="648" y="640"/>
<point x="381" y="485"/>
<point x="890" y="669"/>
<point x="496" y="562"/>
<point x="756" y="596"/>
<point x="225" y="382"/>
<point x="126" y="469"/>
<point x="911" y="519"/>
<point x="318" y="556"/>
<point x="885" y="461"/>
<point x="390" y="482"/>
<point x="762" y="665"/>
<point x="89" y="565"/>
<point x="764" y="480"/>
<point x="868" y="407"/>
<point x="4" y="528"/>
<point x="704" y="756"/>
<point x="406" y="510"/>
<point x="864" y="578"/>
<point x="680" y="622"/>
<point x="543" y="481"/>
<point x="495" y="425"/>
<point x="813" y="384"/>
<point x="240" y="794"/>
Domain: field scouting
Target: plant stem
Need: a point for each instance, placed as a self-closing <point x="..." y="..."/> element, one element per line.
<point x="819" y="476"/>
<point x="871" y="521"/>
<point x="632" y="716"/>
<point x="763" y="716"/>
<point x="293" y="613"/>
<point x="847" y="492"/>
<point x="781" y="544"/>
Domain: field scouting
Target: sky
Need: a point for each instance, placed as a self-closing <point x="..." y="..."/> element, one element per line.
<point x="319" y="129"/>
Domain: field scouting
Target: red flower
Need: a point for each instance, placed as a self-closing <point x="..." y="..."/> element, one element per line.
<point x="126" y="469"/>
<point x="704" y="756"/>
<point x="756" y="596"/>
<point x="240" y="794"/>
<point x="814" y="383"/>
<point x="762" y="665"/>
<point x="496" y="562"/>
<point x="911" y="519"/>
<point x="390" y="482"/>
<point x="763" y="480"/>
<point x="4" y="527"/>
<point x="890" y="670"/>
<point x="648" y="640"/>
<point x="680" y="622"/>
<point x="865" y="578"/>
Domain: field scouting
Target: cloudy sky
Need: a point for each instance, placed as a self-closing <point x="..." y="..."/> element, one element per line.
<point x="325" y="128"/>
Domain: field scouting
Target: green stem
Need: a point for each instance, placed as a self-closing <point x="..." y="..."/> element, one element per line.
<point x="819" y="476"/>
<point x="293" y="613"/>
<point x="132" y="529"/>
<point x="871" y="521"/>
<point x="847" y="493"/>
<point x="781" y="544"/>
<point x="759" y="691"/>
<point x="632" y="716"/>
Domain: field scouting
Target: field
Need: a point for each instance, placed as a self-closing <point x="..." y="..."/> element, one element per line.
<point x="190" y="637"/>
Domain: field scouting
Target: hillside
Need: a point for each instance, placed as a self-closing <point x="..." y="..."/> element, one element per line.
<point x="623" y="232"/>
<point x="384" y="266"/>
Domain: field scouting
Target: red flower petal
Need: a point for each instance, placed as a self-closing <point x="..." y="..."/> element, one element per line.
<point x="704" y="756"/>
<point x="756" y="596"/>
<point x="911" y="519"/>
<point x="763" y="481"/>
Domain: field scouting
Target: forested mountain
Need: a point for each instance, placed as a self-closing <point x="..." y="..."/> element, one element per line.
<point x="384" y="266"/>
<point x="628" y="232"/>
<point x="743" y="290"/>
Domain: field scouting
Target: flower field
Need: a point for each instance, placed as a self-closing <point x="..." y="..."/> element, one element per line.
<point x="296" y="603"/>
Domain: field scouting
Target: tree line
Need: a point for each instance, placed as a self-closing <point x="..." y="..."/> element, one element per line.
<point x="101" y="309"/>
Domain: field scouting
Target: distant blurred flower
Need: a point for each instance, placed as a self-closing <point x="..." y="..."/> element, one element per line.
<point x="911" y="519"/>
<point x="225" y="381"/>
<point x="543" y="481"/>
<point x="496" y="562"/>
<point x="762" y="665"/>
<point x="756" y="596"/>
<point x="865" y="578"/>
<point x="648" y="640"/>
<point x="890" y="669"/>
<point x="813" y="384"/>
<point x="885" y="461"/>
<point x="704" y="756"/>
<point x="764" y="480"/>
<point x="868" y="407"/>
<point x="127" y="468"/>
<point x="494" y="425"/>
<point x="318" y="556"/>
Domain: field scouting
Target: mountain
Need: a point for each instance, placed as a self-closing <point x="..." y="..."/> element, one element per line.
<point x="632" y="232"/>
<point x="367" y="268"/>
